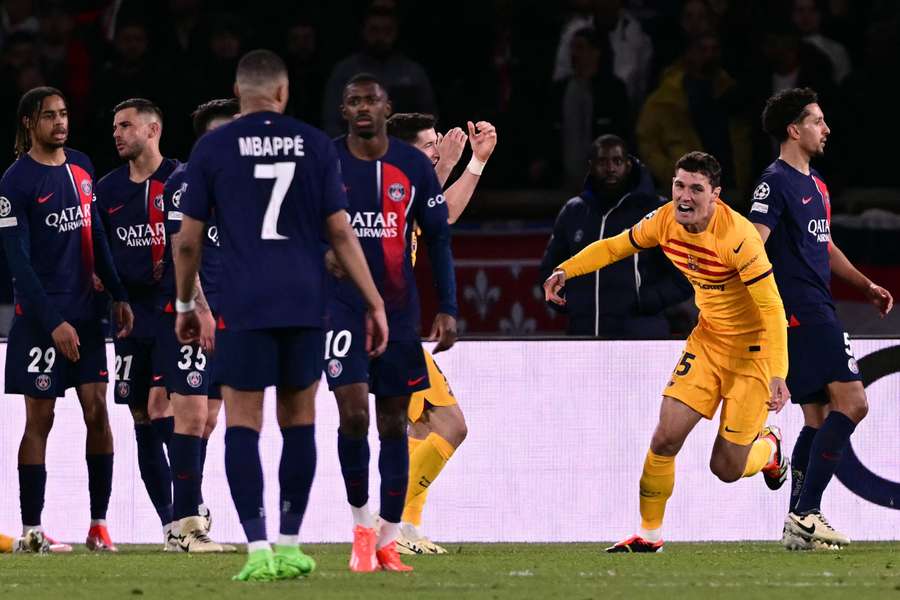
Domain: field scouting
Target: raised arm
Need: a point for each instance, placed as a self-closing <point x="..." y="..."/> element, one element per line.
<point x="483" y="140"/>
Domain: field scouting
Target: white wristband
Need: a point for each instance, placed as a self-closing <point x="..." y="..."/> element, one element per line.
<point x="183" y="307"/>
<point x="475" y="166"/>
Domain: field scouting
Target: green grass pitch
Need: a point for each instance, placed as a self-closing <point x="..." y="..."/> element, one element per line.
<point x="555" y="571"/>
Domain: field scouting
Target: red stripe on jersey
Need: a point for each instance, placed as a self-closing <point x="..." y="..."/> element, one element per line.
<point x="85" y="189"/>
<point x="702" y="261"/>
<point x="396" y="194"/>
<point x="156" y="218"/>
<point x="689" y="271"/>
<point x="693" y="247"/>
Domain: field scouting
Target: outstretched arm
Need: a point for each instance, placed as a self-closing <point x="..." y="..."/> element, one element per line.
<point x="595" y="256"/>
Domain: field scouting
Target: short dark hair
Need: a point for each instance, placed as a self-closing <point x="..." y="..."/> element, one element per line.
<point x="406" y="126"/>
<point x="260" y="66"/>
<point x="141" y="105"/>
<point x="703" y="163"/>
<point x="361" y="79"/>
<point x="786" y="107"/>
<point x="207" y="112"/>
<point x="30" y="108"/>
<point x="607" y="140"/>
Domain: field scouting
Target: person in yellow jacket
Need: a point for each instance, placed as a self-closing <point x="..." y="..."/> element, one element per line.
<point x="737" y="354"/>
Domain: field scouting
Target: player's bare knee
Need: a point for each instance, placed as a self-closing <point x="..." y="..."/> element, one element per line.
<point x="391" y="426"/>
<point x="857" y="407"/>
<point x="726" y="470"/>
<point x="38" y="426"/>
<point x="664" y="445"/>
<point x="140" y="415"/>
<point x="95" y="416"/>
<point x="354" y="421"/>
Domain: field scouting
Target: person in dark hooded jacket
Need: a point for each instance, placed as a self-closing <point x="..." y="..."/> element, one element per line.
<point x="626" y="299"/>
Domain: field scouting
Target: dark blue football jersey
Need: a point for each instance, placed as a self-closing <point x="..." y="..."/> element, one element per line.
<point x="272" y="182"/>
<point x="388" y="197"/>
<point x="211" y="263"/>
<point x="132" y="214"/>
<point x="51" y="209"/>
<point x="797" y="210"/>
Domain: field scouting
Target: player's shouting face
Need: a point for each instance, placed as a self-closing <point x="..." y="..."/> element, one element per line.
<point x="694" y="198"/>
<point x="51" y="124"/>
<point x="365" y="107"/>
<point x="810" y="130"/>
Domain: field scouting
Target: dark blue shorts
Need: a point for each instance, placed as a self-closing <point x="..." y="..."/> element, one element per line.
<point x="254" y="359"/>
<point x="818" y="354"/>
<point x="400" y="371"/>
<point x="185" y="368"/>
<point x="35" y="368"/>
<point x="137" y="370"/>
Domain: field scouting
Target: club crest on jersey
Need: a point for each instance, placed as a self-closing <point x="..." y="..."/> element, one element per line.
<point x="396" y="192"/>
<point x="5" y="206"/>
<point x="122" y="389"/>
<point x="692" y="263"/>
<point x="42" y="382"/>
<point x="86" y="187"/>
<point x="194" y="379"/>
<point x="761" y="192"/>
<point x="335" y="368"/>
<point x="158" y="202"/>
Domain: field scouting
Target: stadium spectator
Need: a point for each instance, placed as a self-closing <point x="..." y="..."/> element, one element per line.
<point x="696" y="106"/>
<point x="223" y="50"/>
<point x="632" y="48"/>
<point x="65" y="59"/>
<point x="581" y="15"/>
<point x="17" y="16"/>
<point x="589" y="103"/>
<point x="306" y="69"/>
<point x="807" y="18"/>
<point x="625" y="300"/>
<point x="406" y="80"/>
<point x="696" y="18"/>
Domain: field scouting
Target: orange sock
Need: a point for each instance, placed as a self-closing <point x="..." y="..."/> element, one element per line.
<point x="758" y="457"/>
<point x="425" y="463"/>
<point x="657" y="483"/>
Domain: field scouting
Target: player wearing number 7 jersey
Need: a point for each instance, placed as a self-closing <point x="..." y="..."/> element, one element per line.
<point x="737" y="354"/>
<point x="274" y="185"/>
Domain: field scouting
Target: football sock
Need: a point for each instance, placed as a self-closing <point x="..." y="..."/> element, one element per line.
<point x="164" y="428"/>
<point x="155" y="471"/>
<point x="824" y="457"/>
<point x="295" y="475"/>
<point x="800" y="461"/>
<point x="387" y="534"/>
<point x="425" y="464"/>
<point x="393" y="466"/>
<point x="100" y="474"/>
<point x="184" y="452"/>
<point x="657" y="482"/>
<point x="760" y="455"/>
<point x="412" y="509"/>
<point x="32" y="481"/>
<point x="353" y="454"/>
<point x="204" y="442"/>
<point x="245" y="479"/>
<point x="6" y="544"/>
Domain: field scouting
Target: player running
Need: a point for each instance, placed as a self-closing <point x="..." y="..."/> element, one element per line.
<point x="186" y="367"/>
<point x="274" y="185"/>
<point x="391" y="186"/>
<point x="737" y="354"/>
<point x="437" y="425"/>
<point x="129" y="201"/>
<point x="54" y="244"/>
<point x="792" y="212"/>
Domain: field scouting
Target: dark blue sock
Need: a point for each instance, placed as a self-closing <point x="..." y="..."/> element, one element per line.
<point x="245" y="478"/>
<point x="204" y="442"/>
<point x="164" y="428"/>
<point x="295" y="474"/>
<point x="393" y="465"/>
<point x="155" y="471"/>
<point x="353" y="454"/>
<point x="32" y="481"/>
<point x="824" y="457"/>
<point x="800" y="461"/>
<point x="184" y="452"/>
<point x="100" y="474"/>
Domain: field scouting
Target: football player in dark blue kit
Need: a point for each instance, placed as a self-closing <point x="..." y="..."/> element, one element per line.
<point x="129" y="201"/>
<point x="274" y="186"/>
<point x="391" y="186"/>
<point x="54" y="244"/>
<point x="186" y="367"/>
<point x="792" y="211"/>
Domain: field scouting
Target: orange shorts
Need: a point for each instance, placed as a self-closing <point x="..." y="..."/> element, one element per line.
<point x="438" y="394"/>
<point x="703" y="378"/>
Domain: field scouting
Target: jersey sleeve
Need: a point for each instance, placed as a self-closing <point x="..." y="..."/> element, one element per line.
<point x="13" y="207"/>
<point x="768" y="202"/>
<point x="744" y="252"/>
<point x="432" y="216"/>
<point x="334" y="196"/>
<point x="197" y="199"/>
<point x="646" y="232"/>
<point x="172" y="192"/>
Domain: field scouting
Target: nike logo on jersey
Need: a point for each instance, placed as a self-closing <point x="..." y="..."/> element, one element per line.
<point x="738" y="249"/>
<point x="113" y="210"/>
<point x="104" y="373"/>
<point x="157" y="377"/>
<point x="729" y="430"/>
<point x="806" y="200"/>
<point x="42" y="199"/>
<point x="416" y="381"/>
